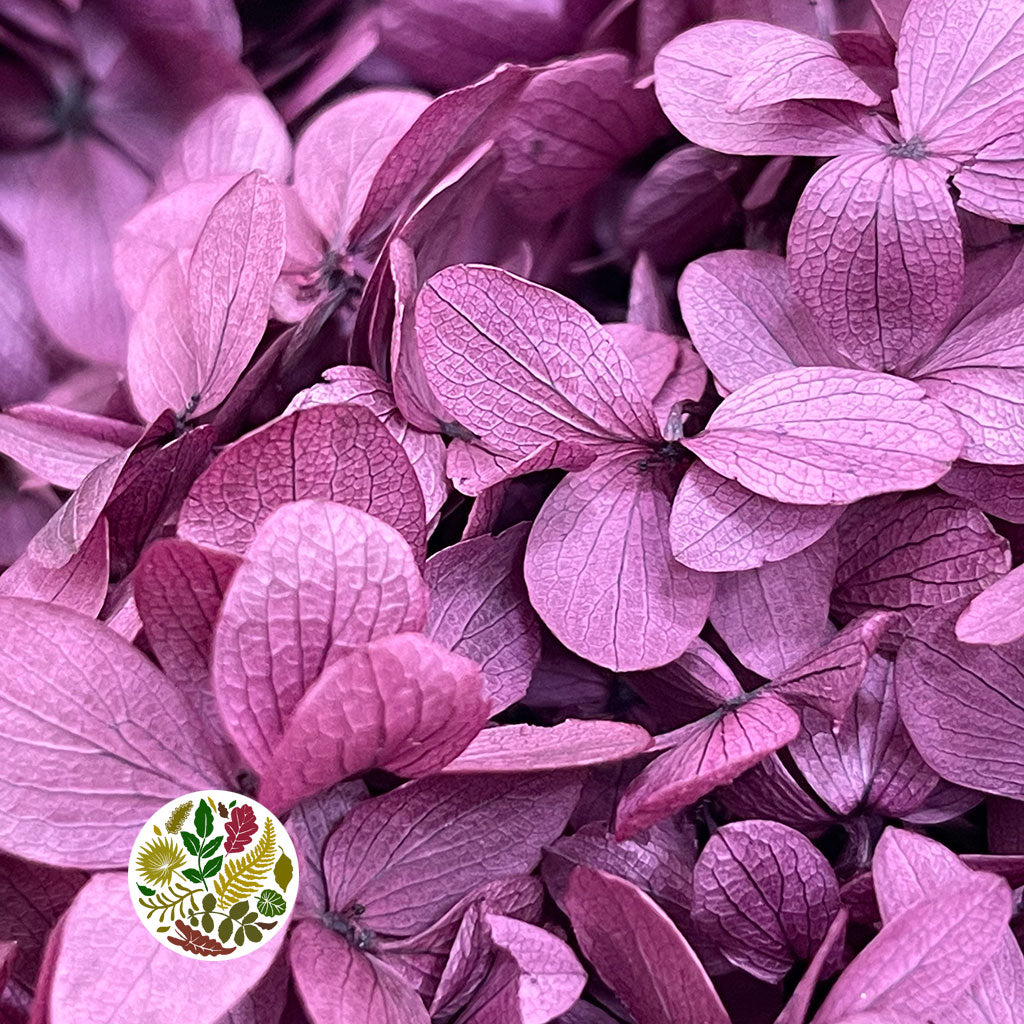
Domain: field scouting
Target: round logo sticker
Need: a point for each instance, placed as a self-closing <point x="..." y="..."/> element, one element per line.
<point x="213" y="874"/>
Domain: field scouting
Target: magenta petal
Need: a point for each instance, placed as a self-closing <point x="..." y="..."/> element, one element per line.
<point x="717" y="525"/>
<point x="341" y="453"/>
<point x="995" y="616"/>
<point x="707" y="754"/>
<point x="875" y="254"/>
<point x="444" y="837"/>
<point x="772" y="616"/>
<point x="85" y="191"/>
<point x="638" y="952"/>
<point x="829" y="436"/>
<point x="963" y="704"/>
<point x="342" y="148"/>
<point x="520" y="366"/>
<point x="108" y="959"/>
<point x="530" y="748"/>
<point x="600" y="571"/>
<point x="765" y="895"/>
<point x="796" y="1008"/>
<point x="401" y="703"/>
<point x="339" y="984"/>
<point x="239" y="133"/>
<point x="318" y="578"/>
<point x="479" y="608"/>
<point x="22" y="345"/>
<point x="991" y="186"/>
<point x="91" y="719"/>
<point x="693" y="78"/>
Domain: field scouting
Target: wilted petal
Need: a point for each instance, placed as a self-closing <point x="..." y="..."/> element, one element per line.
<point x="318" y="578"/>
<point x="600" y="571"/>
<point x="820" y="437"/>
<point x="875" y="254"/>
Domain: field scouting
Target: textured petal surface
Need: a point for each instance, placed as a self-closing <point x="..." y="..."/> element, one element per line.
<point x="318" y="577"/>
<point x="90" y="721"/>
<point x="717" y="525"/>
<point x="765" y="895"/>
<point x="337" y="453"/>
<point x="479" y="608"/>
<point x="603" y="533"/>
<point x="707" y="754"/>
<point x="964" y="704"/>
<point x="409" y="856"/>
<point x="995" y="616"/>
<point x="638" y="952"/>
<point x="821" y="437"/>
<point x="875" y="254"/>
<point x="998" y="490"/>
<point x="401" y="703"/>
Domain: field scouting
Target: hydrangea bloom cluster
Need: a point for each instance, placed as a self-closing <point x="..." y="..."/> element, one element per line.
<point x="565" y="459"/>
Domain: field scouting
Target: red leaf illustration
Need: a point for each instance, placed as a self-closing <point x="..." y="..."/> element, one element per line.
<point x="240" y="829"/>
<point x="194" y="941"/>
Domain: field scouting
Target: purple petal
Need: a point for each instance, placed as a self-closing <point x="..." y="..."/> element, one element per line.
<point x="479" y="608"/>
<point x="520" y="366"/>
<point x="84" y="192"/>
<point x="22" y="347"/>
<point x="995" y="616"/>
<point x="107" y="959"/>
<point x="340" y="453"/>
<point x="531" y="748"/>
<point x="765" y="895"/>
<point x="603" y="532"/>
<point x="693" y="76"/>
<point x="318" y="577"/>
<point x="960" y="73"/>
<point x="703" y="756"/>
<point x="179" y="588"/>
<point x="339" y="984"/>
<point x="818" y="437"/>
<point x="799" y="1003"/>
<point x="772" y="616"/>
<point x="875" y="254"/>
<point x="648" y="304"/>
<point x="574" y="123"/>
<point x="638" y="952"/>
<point x="717" y="525"/>
<point x="80" y="584"/>
<point x="991" y="185"/>
<point x="340" y="151"/>
<point x="231" y="273"/>
<point x="924" y="959"/>
<point x="908" y="554"/>
<point x="239" y="133"/>
<point x="963" y="704"/>
<point x="998" y="490"/>
<point x="745" y="320"/>
<point x="409" y="856"/>
<point x="91" y="721"/>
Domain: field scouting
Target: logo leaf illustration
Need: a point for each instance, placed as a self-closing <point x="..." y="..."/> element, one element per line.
<point x="191" y="842"/>
<point x="271" y="903"/>
<point x="283" y="872"/>
<point x="192" y="875"/>
<point x="243" y="876"/>
<point x="210" y="848"/>
<point x="194" y="941"/>
<point x="240" y="829"/>
<point x="212" y="867"/>
<point x="171" y="902"/>
<point x="177" y="818"/>
<point x="145" y="891"/>
<point x="203" y="820"/>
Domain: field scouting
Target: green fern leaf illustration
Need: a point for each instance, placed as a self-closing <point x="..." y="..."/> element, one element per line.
<point x="242" y="876"/>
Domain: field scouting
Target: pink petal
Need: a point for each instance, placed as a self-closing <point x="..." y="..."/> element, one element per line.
<point x="479" y="608"/>
<point x="108" y="959"/>
<point x="239" y="133"/>
<point x="22" y="344"/>
<point x="799" y="1003"/>
<point x="693" y="76"/>
<point x="707" y="754"/>
<point x="991" y="185"/>
<point x="340" y="453"/>
<point x="717" y="525"/>
<point x="997" y="490"/>
<point x="638" y="952"/>
<point x="317" y="578"/>
<point x="817" y="436"/>
<point x="340" y="151"/>
<point x="88" y="720"/>
<point x="995" y="616"/>
<point x="530" y="748"/>
<point x="875" y="254"/>
<point x="603" y="533"/>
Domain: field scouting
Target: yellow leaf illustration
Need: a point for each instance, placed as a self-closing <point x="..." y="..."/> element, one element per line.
<point x="242" y="876"/>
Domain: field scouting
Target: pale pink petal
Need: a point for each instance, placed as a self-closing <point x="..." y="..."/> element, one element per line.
<point x="995" y="616"/>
